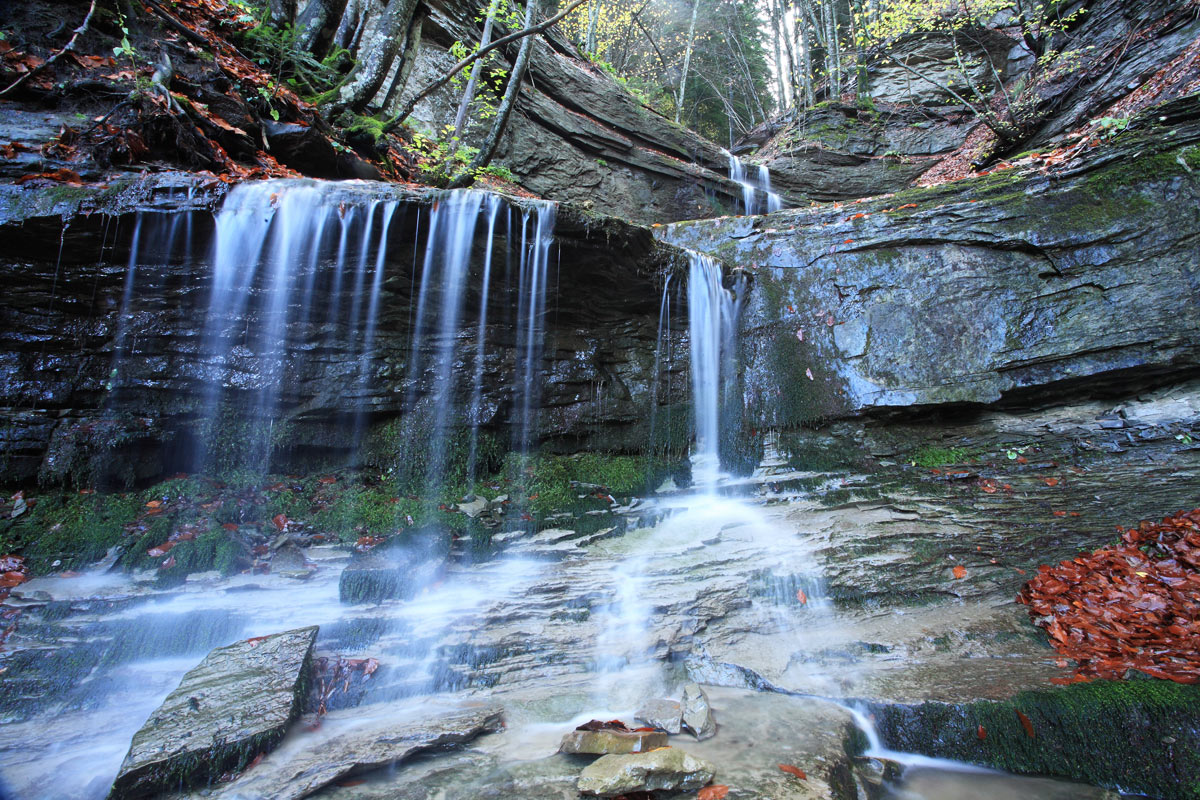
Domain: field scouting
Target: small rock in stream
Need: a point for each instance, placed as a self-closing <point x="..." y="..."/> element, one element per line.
<point x="697" y="713"/>
<point x="666" y="715"/>
<point x="231" y="707"/>
<point x="664" y="769"/>
<point x="605" y="742"/>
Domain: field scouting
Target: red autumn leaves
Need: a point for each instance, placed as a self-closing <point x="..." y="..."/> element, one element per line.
<point x="1135" y="605"/>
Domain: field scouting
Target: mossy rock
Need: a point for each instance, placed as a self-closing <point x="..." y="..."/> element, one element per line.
<point x="1139" y="735"/>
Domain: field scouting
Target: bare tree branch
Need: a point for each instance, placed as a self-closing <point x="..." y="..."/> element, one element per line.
<point x="68" y="47"/>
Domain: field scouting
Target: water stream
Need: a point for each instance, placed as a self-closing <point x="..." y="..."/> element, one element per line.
<point x="713" y="584"/>
<point x="755" y="180"/>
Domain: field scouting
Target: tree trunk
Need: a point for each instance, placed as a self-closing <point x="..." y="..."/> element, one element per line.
<point x="488" y="148"/>
<point x="777" y="28"/>
<point x="460" y="119"/>
<point x="806" y="69"/>
<point x="589" y="45"/>
<point x="687" y="61"/>
<point x="385" y="33"/>
<point x="312" y="21"/>
<point x="408" y="57"/>
<point x="281" y="12"/>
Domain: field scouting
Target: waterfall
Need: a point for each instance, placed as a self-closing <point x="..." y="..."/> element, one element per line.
<point x="267" y="258"/>
<point x="531" y="323"/>
<point x="712" y="326"/>
<point x="754" y="187"/>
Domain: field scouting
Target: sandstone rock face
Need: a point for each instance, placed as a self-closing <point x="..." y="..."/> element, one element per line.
<point x="576" y="135"/>
<point x="665" y="769"/>
<point x="234" y="705"/>
<point x="599" y="387"/>
<point x="841" y="152"/>
<point x="1006" y="288"/>
<point x="933" y="64"/>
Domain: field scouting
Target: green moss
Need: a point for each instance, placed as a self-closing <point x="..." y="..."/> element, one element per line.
<point x="72" y="529"/>
<point x="930" y="456"/>
<point x="1139" y="735"/>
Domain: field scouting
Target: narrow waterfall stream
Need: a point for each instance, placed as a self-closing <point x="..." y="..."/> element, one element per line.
<point x="757" y="197"/>
<point x="578" y="615"/>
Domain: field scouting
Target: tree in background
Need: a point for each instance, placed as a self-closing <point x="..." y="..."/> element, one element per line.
<point x="700" y="62"/>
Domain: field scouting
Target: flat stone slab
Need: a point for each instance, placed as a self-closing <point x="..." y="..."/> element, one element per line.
<point x="665" y="769"/>
<point x="359" y="740"/>
<point x="233" y="705"/>
<point x="611" y="742"/>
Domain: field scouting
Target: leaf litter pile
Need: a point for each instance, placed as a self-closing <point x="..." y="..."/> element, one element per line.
<point x="1134" y="605"/>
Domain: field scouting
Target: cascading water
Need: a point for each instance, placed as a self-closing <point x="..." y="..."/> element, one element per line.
<point x="712" y="325"/>
<point x="754" y="187"/>
<point x="531" y="326"/>
<point x="271" y="243"/>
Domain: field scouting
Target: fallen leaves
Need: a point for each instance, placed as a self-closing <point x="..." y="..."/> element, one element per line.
<point x="1135" y="605"/>
<point x="794" y="771"/>
<point x="12" y="573"/>
<point x="1027" y="725"/>
<point x="60" y="175"/>
<point x="960" y="572"/>
<point x="981" y="732"/>
<point x="717" y="791"/>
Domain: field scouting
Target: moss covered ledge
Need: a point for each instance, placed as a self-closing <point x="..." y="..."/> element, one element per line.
<point x="1140" y="736"/>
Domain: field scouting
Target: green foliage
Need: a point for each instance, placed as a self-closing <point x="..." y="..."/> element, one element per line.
<point x="278" y="51"/>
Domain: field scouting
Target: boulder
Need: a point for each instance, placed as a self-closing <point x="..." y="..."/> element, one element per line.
<point x="233" y="706"/>
<point x="606" y="742"/>
<point x="666" y="715"/>
<point x="697" y="713"/>
<point x="665" y="769"/>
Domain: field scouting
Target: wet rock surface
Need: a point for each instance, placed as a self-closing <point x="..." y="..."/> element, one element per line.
<point x="352" y="742"/>
<point x="665" y="769"/>
<point x="697" y="713"/>
<point x="603" y="742"/>
<point x="666" y="715"/>
<point x="235" y="704"/>
<point x="998" y="289"/>
<point x="54" y="370"/>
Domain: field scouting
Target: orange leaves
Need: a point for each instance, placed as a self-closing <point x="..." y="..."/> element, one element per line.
<point x="959" y="571"/>
<point x="280" y="521"/>
<point x="12" y="573"/>
<point x="981" y="732"/>
<point x="801" y="597"/>
<point x="1027" y="725"/>
<point x="715" y="792"/>
<point x="1135" y="605"/>
<point x="1050" y="481"/>
<point x="60" y="175"/>
<point x="794" y="771"/>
